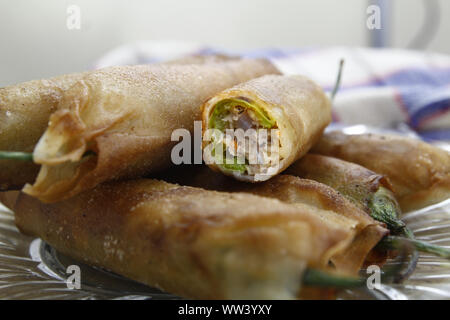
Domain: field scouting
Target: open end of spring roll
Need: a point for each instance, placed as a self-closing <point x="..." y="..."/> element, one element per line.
<point x="419" y="172"/>
<point x="24" y="112"/>
<point x="117" y="122"/>
<point x="188" y="241"/>
<point x="256" y="129"/>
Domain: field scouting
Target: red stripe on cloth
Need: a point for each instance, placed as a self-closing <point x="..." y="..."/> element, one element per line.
<point x="431" y="117"/>
<point x="398" y="98"/>
<point x="335" y="117"/>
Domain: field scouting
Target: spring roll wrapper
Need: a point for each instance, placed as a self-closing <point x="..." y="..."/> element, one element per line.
<point x="298" y="105"/>
<point x="24" y="112"/>
<point x="188" y="241"/>
<point x="25" y="109"/>
<point x="369" y="232"/>
<point x="330" y="206"/>
<point x="418" y="172"/>
<point x="126" y="115"/>
<point x="357" y="183"/>
<point x="9" y="198"/>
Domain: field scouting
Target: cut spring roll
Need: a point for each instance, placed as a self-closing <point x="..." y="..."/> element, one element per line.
<point x="24" y="112"/>
<point x="419" y="172"/>
<point x="330" y="204"/>
<point x="188" y="241"/>
<point x="117" y="122"/>
<point x="281" y="116"/>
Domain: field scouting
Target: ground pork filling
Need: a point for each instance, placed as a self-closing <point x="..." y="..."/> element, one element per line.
<point x="250" y="139"/>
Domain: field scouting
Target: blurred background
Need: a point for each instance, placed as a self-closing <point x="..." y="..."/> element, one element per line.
<point x="37" y="42"/>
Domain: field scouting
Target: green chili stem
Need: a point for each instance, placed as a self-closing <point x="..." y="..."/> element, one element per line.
<point x="419" y="245"/>
<point x="28" y="156"/>
<point x="338" y="80"/>
<point x="393" y="242"/>
<point x="384" y="208"/>
<point x="317" y="278"/>
<point x="13" y="155"/>
<point x="397" y="272"/>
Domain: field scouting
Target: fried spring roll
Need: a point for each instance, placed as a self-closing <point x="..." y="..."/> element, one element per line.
<point x="370" y="192"/>
<point x="24" y="112"/>
<point x="331" y="206"/>
<point x="282" y="116"/>
<point x="419" y="172"/>
<point x="189" y="241"/>
<point x="358" y="184"/>
<point x="294" y="190"/>
<point x="117" y="122"/>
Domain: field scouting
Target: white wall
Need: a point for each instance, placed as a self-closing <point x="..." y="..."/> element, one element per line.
<point x="36" y="43"/>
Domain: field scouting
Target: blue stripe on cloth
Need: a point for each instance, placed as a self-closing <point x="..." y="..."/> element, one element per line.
<point x="424" y="102"/>
<point x="433" y="109"/>
<point x="436" y="135"/>
<point x="411" y="77"/>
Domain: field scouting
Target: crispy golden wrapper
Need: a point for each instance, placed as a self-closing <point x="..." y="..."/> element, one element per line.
<point x="25" y="109"/>
<point x="419" y="172"/>
<point x="125" y="117"/>
<point x="357" y="183"/>
<point x="24" y="112"/>
<point x="188" y="241"/>
<point x="294" y="105"/>
<point x="294" y="190"/>
<point x="331" y="206"/>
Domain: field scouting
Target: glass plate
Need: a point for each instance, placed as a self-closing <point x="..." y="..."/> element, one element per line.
<point x="32" y="269"/>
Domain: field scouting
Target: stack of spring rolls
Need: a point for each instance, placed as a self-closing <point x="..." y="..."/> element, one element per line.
<point x="101" y="186"/>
